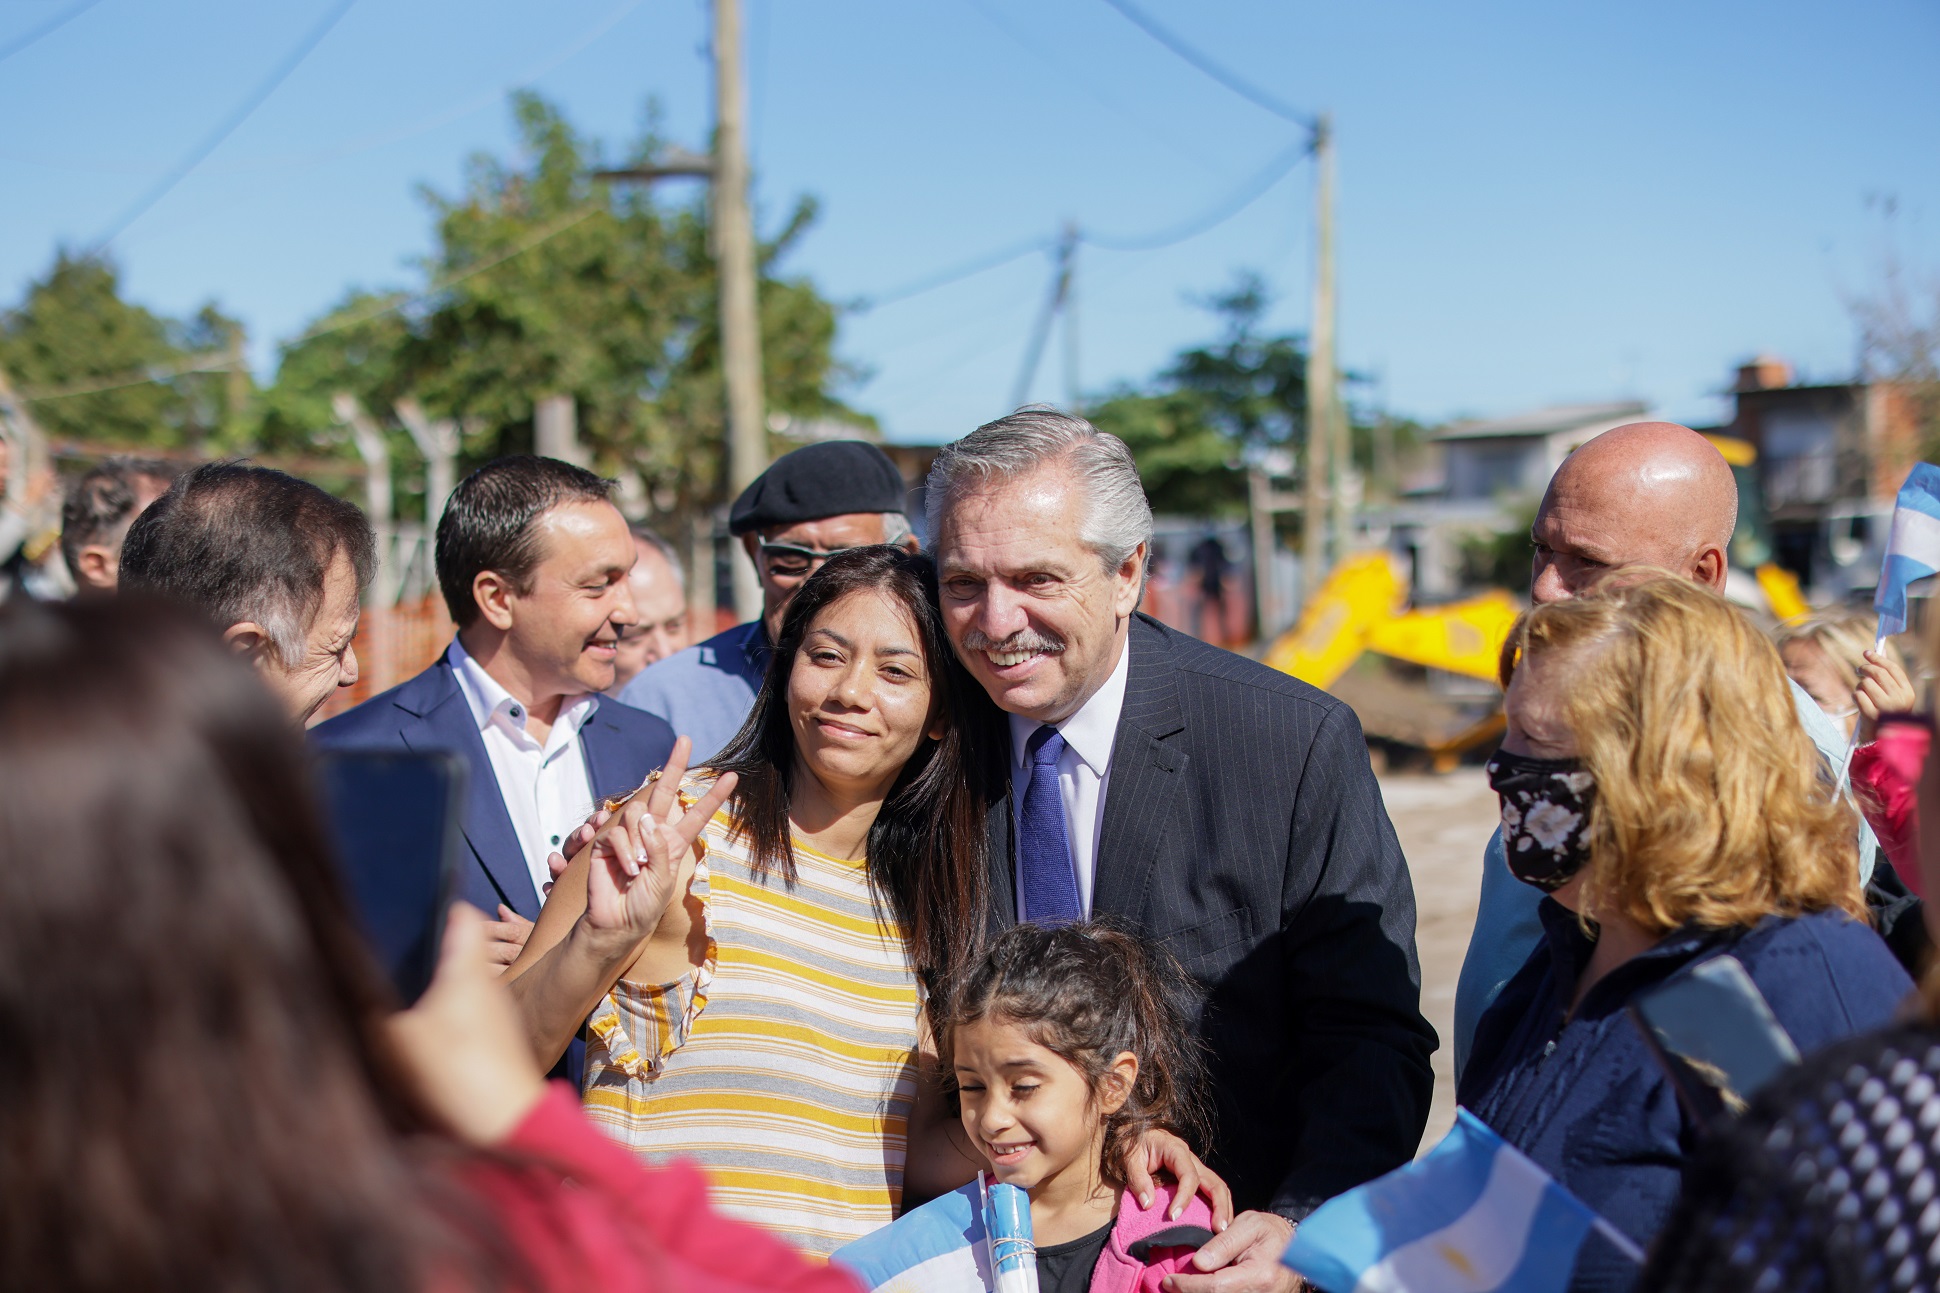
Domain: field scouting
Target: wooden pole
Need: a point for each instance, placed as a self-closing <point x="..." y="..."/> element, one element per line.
<point x="1320" y="468"/>
<point x="734" y="253"/>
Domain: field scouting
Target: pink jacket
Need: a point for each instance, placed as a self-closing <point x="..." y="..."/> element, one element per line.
<point x="1119" y="1272"/>
<point x="1887" y="773"/>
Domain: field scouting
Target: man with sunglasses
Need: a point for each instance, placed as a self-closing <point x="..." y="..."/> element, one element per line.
<point x="808" y="506"/>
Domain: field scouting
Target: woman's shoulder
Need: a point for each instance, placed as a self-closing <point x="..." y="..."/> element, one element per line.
<point x="1827" y="975"/>
<point x="1843" y="941"/>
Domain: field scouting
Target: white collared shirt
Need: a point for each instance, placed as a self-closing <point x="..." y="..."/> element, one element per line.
<point x="1084" y="772"/>
<point x="546" y="788"/>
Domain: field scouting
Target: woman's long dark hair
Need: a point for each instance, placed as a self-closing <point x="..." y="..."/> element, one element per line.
<point x="929" y="845"/>
<point x="194" y="1091"/>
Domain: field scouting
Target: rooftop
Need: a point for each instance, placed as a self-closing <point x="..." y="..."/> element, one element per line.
<point x="1556" y="418"/>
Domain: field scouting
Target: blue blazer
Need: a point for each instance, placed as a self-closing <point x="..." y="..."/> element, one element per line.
<point x="622" y="746"/>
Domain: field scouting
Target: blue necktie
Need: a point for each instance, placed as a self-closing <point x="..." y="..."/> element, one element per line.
<point x="1043" y="845"/>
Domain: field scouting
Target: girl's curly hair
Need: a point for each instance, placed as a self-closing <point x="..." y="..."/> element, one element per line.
<point x="1086" y="993"/>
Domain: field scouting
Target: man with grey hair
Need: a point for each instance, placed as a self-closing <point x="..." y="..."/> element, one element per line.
<point x="278" y="564"/>
<point x="1213" y="805"/>
<point x="808" y="506"/>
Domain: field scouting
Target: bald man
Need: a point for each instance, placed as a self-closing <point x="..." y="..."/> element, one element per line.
<point x="1642" y="494"/>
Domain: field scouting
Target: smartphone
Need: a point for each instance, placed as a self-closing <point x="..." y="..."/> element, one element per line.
<point x="395" y="820"/>
<point x="1715" y="1035"/>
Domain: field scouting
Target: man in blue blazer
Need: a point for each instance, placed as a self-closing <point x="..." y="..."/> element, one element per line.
<point x="533" y="560"/>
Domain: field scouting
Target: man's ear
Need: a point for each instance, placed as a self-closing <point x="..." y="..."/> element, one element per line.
<point x="1711" y="567"/>
<point x="249" y="640"/>
<point x="1130" y="577"/>
<point x="493" y="593"/>
<point x="100" y="566"/>
<point x="1119" y="1080"/>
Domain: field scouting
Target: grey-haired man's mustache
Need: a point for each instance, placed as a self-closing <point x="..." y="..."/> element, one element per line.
<point x="1022" y="640"/>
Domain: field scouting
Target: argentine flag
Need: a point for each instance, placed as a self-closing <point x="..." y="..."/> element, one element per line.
<point x="1470" y="1216"/>
<point x="973" y="1240"/>
<point x="1912" y="550"/>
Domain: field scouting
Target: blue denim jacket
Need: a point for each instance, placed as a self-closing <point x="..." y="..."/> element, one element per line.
<point x="1582" y="1096"/>
<point x="706" y="691"/>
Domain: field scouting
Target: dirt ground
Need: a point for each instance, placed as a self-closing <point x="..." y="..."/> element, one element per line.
<point x="1443" y="822"/>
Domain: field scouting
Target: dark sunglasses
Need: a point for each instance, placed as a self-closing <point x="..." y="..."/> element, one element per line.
<point x="790" y="561"/>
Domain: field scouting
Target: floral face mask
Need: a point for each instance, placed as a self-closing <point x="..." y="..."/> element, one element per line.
<point x="1545" y="816"/>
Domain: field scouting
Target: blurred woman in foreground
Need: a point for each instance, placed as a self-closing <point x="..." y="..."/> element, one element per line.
<point x="1656" y="784"/>
<point x="201" y="1083"/>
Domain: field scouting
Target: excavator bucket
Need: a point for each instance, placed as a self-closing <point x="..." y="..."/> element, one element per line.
<point x="1781" y="589"/>
<point x="1462" y="637"/>
<point x="1362" y="592"/>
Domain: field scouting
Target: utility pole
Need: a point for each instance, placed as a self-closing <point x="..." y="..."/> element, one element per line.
<point x="734" y="254"/>
<point x="1054" y="304"/>
<point x="1073" y="392"/>
<point x="732" y="239"/>
<point x="1321" y="471"/>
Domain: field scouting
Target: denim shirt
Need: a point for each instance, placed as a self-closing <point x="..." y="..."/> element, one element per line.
<point x="706" y="691"/>
<point x="1581" y="1095"/>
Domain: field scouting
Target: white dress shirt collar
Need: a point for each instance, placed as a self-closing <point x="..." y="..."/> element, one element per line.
<point x="492" y="705"/>
<point x="1091" y="731"/>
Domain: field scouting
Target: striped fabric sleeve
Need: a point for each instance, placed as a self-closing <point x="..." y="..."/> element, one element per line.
<point x="641" y="1024"/>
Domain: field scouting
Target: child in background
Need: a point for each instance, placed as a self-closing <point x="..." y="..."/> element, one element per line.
<point x="1065" y="1044"/>
<point x="1831" y="657"/>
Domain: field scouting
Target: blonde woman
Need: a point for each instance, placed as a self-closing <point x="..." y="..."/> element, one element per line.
<point x="1657" y="786"/>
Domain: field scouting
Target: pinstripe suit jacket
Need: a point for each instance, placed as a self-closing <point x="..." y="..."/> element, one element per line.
<point x="1244" y="830"/>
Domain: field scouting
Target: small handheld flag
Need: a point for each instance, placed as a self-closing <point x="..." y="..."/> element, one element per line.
<point x="1912" y="549"/>
<point x="1472" y="1215"/>
<point x="973" y="1240"/>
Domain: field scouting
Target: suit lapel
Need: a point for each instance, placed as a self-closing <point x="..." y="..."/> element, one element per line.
<point x="600" y="742"/>
<point x="1003" y="865"/>
<point x="445" y="723"/>
<point x="1146" y="774"/>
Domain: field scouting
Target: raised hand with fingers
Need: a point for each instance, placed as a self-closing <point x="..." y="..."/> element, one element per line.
<point x="580" y="836"/>
<point x="634" y="860"/>
<point x="1883" y="688"/>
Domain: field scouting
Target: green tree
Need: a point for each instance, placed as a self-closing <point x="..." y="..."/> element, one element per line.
<point x="545" y="281"/>
<point x="1215" y="409"/>
<point x="99" y="368"/>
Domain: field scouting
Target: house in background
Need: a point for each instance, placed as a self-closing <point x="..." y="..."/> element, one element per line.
<point x="1483" y="478"/>
<point x="1831" y="458"/>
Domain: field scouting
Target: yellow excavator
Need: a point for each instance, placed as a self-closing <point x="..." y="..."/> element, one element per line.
<point x="1363" y="607"/>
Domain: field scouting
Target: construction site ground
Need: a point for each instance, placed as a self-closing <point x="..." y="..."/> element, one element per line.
<point x="1443" y="822"/>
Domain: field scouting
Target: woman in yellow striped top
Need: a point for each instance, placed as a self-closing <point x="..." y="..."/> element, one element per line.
<point x="768" y="1023"/>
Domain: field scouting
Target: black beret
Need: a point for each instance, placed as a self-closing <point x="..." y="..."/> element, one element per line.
<point x="833" y="478"/>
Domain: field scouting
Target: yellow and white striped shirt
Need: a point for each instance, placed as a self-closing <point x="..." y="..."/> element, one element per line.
<point x="784" y="1066"/>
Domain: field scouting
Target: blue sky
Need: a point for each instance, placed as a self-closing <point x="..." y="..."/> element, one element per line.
<point x="1539" y="202"/>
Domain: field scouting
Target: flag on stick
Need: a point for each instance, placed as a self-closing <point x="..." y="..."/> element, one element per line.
<point x="973" y="1240"/>
<point x="1912" y="549"/>
<point x="1473" y="1215"/>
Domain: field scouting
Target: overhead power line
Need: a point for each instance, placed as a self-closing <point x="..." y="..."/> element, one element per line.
<point x="1245" y="196"/>
<point x="48" y="28"/>
<point x="1244" y="89"/>
<point x="1248" y="193"/>
<point x="227" y="126"/>
<point x="956" y="274"/>
<point x="219" y="361"/>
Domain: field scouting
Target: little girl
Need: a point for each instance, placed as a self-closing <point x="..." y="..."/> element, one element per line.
<point x="1065" y="1044"/>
